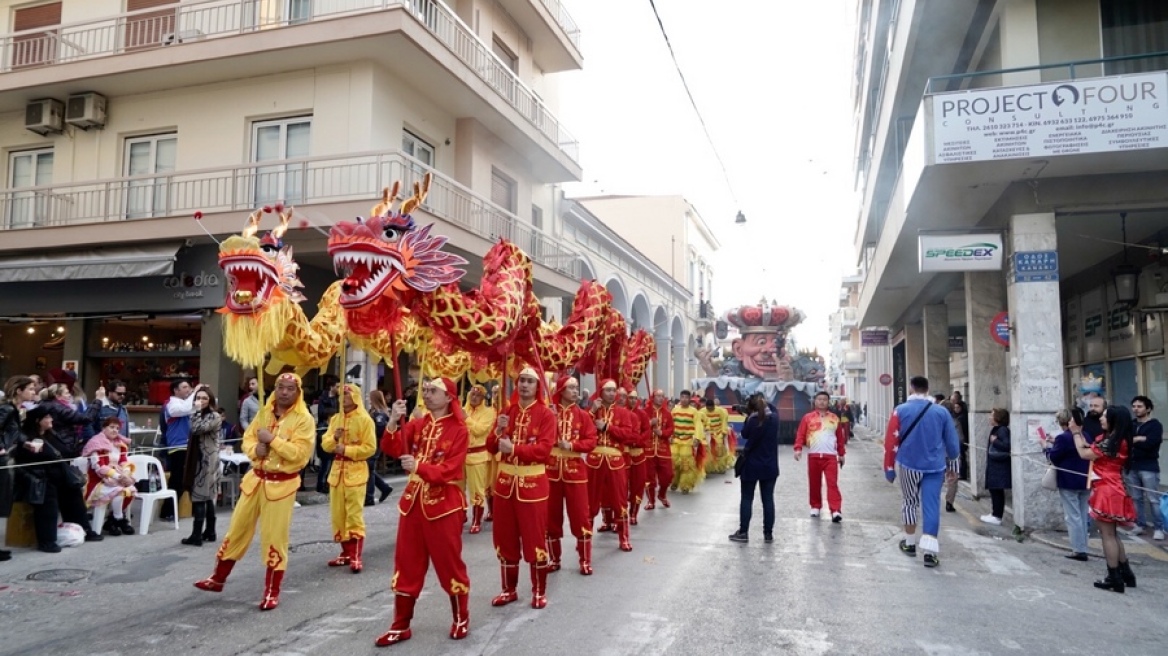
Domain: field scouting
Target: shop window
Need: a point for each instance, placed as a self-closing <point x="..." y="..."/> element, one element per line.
<point x="1134" y="27"/>
<point x="146" y="355"/>
<point x="155" y="154"/>
<point x="29" y="168"/>
<point x="1123" y="381"/>
<point x="281" y="140"/>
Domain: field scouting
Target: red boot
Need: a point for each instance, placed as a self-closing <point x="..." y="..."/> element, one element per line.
<point x="214" y="583"/>
<point x="584" y="548"/>
<point x="634" y="508"/>
<point x="651" y="491"/>
<point x="476" y="522"/>
<point x="345" y="557"/>
<point x="399" y="631"/>
<point x="606" y="525"/>
<point x="539" y="585"/>
<point x="490" y="516"/>
<point x="664" y="501"/>
<point x="554" y="553"/>
<point x="356" y="546"/>
<point x="461" y="625"/>
<point x="272" y="580"/>
<point x="622" y="532"/>
<point x="510" y="575"/>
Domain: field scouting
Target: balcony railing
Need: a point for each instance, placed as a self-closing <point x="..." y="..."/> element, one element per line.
<point x="301" y="182"/>
<point x="172" y="25"/>
<point x="564" y="19"/>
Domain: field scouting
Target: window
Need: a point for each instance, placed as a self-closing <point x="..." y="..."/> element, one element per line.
<point x="509" y="59"/>
<point x="29" y="168"/>
<point x="40" y="47"/>
<point x="1134" y="27"/>
<point x="147" y="197"/>
<point x="537" y="217"/>
<point x="280" y="140"/>
<point x="151" y="29"/>
<point x="299" y="11"/>
<point x="502" y="190"/>
<point x="416" y="147"/>
<point x="503" y="78"/>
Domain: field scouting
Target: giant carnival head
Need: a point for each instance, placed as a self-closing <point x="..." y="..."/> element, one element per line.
<point x="386" y="258"/>
<point x="260" y="271"/>
<point x="761" y="348"/>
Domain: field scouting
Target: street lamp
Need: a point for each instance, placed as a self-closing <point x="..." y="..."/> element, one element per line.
<point x="1126" y="277"/>
<point x="740" y="219"/>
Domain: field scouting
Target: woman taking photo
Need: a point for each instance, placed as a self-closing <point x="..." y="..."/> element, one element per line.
<point x="760" y="467"/>
<point x="1071" y="477"/>
<point x="201" y="472"/>
<point x="44" y="481"/>
<point x="1110" y="505"/>
<point x="998" y="475"/>
<point x="72" y="427"/>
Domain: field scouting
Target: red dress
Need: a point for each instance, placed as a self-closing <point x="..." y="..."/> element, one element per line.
<point x="1109" y="500"/>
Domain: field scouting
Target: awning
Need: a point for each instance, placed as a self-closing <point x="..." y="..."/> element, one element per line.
<point x="121" y="262"/>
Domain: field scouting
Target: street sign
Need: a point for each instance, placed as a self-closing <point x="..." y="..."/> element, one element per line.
<point x="885" y="379"/>
<point x="1000" y="328"/>
<point x="1036" y="266"/>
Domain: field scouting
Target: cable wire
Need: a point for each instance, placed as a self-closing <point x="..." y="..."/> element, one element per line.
<point x="684" y="83"/>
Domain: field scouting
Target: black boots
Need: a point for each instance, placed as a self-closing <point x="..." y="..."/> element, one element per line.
<point x="199" y="510"/>
<point x="209" y="531"/>
<point x="1126" y="573"/>
<point x="1113" y="581"/>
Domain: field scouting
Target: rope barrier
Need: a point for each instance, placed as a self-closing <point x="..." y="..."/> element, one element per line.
<point x="134" y="450"/>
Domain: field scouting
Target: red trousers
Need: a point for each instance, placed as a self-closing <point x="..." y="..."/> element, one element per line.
<point x="608" y="488"/>
<point x="820" y="466"/>
<point x="638" y="476"/>
<point x="575" y="496"/>
<point x="659" y="473"/>
<point x="519" y="522"/>
<point x="420" y="541"/>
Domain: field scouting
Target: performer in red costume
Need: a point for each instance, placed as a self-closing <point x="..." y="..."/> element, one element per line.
<point x="659" y="464"/>
<point x="432" y="449"/>
<point x="524" y="436"/>
<point x="607" y="518"/>
<point x="636" y="455"/>
<point x="568" y="476"/>
<point x="608" y="482"/>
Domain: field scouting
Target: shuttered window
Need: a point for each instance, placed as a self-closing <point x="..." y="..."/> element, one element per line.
<point x="41" y="47"/>
<point x="502" y="190"/>
<point x="151" y="29"/>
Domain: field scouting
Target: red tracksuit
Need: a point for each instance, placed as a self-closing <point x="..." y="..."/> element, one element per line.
<point x="824" y="437"/>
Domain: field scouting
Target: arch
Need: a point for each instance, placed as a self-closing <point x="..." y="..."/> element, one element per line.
<point x="663" y="375"/>
<point x="587" y="271"/>
<point x="639" y="314"/>
<point x="620" y="298"/>
<point x="677" y="338"/>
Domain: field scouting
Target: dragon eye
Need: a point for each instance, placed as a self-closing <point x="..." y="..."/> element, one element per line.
<point x="270" y="249"/>
<point x="392" y="234"/>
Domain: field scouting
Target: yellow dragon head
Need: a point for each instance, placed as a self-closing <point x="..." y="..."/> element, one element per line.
<point x="259" y="271"/>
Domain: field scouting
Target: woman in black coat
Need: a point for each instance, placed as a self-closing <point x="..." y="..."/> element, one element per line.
<point x="760" y="467"/>
<point x="998" y="468"/>
<point x="17" y="391"/>
<point x="45" y="482"/>
<point x="72" y="428"/>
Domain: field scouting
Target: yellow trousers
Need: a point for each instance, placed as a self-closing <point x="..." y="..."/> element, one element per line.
<point x="720" y="459"/>
<point x="347" y="504"/>
<point x="477" y="482"/>
<point x="686" y="474"/>
<point x="275" y="519"/>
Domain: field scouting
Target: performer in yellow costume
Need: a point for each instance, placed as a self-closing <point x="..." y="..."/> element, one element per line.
<point x="718" y="423"/>
<point x="689" y="429"/>
<point x="350" y="437"/>
<point x="279" y="442"/>
<point x="480" y="465"/>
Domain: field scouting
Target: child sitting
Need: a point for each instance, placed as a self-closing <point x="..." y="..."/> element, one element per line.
<point x="111" y="480"/>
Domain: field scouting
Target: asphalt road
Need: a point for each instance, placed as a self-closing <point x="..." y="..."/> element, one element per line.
<point x="685" y="589"/>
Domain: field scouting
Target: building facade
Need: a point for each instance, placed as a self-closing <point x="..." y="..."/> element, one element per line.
<point x="121" y="119"/>
<point x="1011" y="160"/>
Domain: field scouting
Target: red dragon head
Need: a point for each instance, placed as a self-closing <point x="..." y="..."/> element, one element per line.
<point x="386" y="259"/>
<point x="259" y="271"/>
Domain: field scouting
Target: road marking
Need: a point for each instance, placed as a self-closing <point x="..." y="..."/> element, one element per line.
<point x="990" y="554"/>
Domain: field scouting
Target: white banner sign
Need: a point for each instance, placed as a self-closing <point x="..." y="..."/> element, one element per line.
<point x="972" y="252"/>
<point x="1099" y="115"/>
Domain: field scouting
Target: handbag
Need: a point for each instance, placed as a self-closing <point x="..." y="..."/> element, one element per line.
<point x="1050" y="478"/>
<point x="35" y="495"/>
<point x="75" y="477"/>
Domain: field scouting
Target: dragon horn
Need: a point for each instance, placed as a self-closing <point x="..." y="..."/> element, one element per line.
<point x="421" y="190"/>
<point x="285" y="219"/>
<point x="388" y="195"/>
<point x="253" y="223"/>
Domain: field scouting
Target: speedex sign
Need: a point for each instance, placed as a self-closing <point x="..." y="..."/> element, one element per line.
<point x="972" y="252"/>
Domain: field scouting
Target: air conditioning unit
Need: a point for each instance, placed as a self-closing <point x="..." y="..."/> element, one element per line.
<point x="171" y="38"/>
<point x="86" y="110"/>
<point x="44" y="115"/>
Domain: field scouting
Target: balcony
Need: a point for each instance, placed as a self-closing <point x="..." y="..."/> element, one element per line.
<point x="196" y="43"/>
<point x="555" y="37"/>
<point x="123" y="207"/>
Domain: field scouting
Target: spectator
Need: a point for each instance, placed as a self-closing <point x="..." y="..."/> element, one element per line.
<point x="226" y="428"/>
<point x="326" y="407"/>
<point x="200" y="475"/>
<point x="45" y="482"/>
<point x="1110" y="505"/>
<point x="761" y="467"/>
<point x="1072" y="485"/>
<point x="71" y="427"/>
<point x="379" y="411"/>
<point x="249" y="407"/>
<point x="17" y="391"/>
<point x="1142" y="475"/>
<point x="951" y="484"/>
<point x="113" y="399"/>
<point x="111" y="482"/>
<point x="824" y="437"/>
<point x="998" y="474"/>
<point x="176" y="431"/>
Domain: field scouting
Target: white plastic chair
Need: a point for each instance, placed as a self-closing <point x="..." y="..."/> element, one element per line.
<point x="142" y="464"/>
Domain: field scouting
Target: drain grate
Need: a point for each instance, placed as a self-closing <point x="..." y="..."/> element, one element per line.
<point x="317" y="547"/>
<point x="60" y="575"/>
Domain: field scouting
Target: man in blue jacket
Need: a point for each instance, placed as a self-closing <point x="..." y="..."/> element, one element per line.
<point x="922" y="442"/>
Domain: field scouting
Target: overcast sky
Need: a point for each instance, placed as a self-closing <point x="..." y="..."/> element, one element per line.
<point x="772" y="80"/>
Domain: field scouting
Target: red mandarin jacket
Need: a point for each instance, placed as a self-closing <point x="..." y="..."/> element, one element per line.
<point x="659" y="446"/>
<point x="523" y="472"/>
<point x="574" y="425"/>
<point x="439" y="445"/>
<point x="620" y="429"/>
<point x="636" y="451"/>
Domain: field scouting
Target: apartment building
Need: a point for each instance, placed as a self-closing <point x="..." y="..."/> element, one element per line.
<point x="672" y="236"/>
<point x="1012" y="157"/>
<point x="119" y="119"/>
